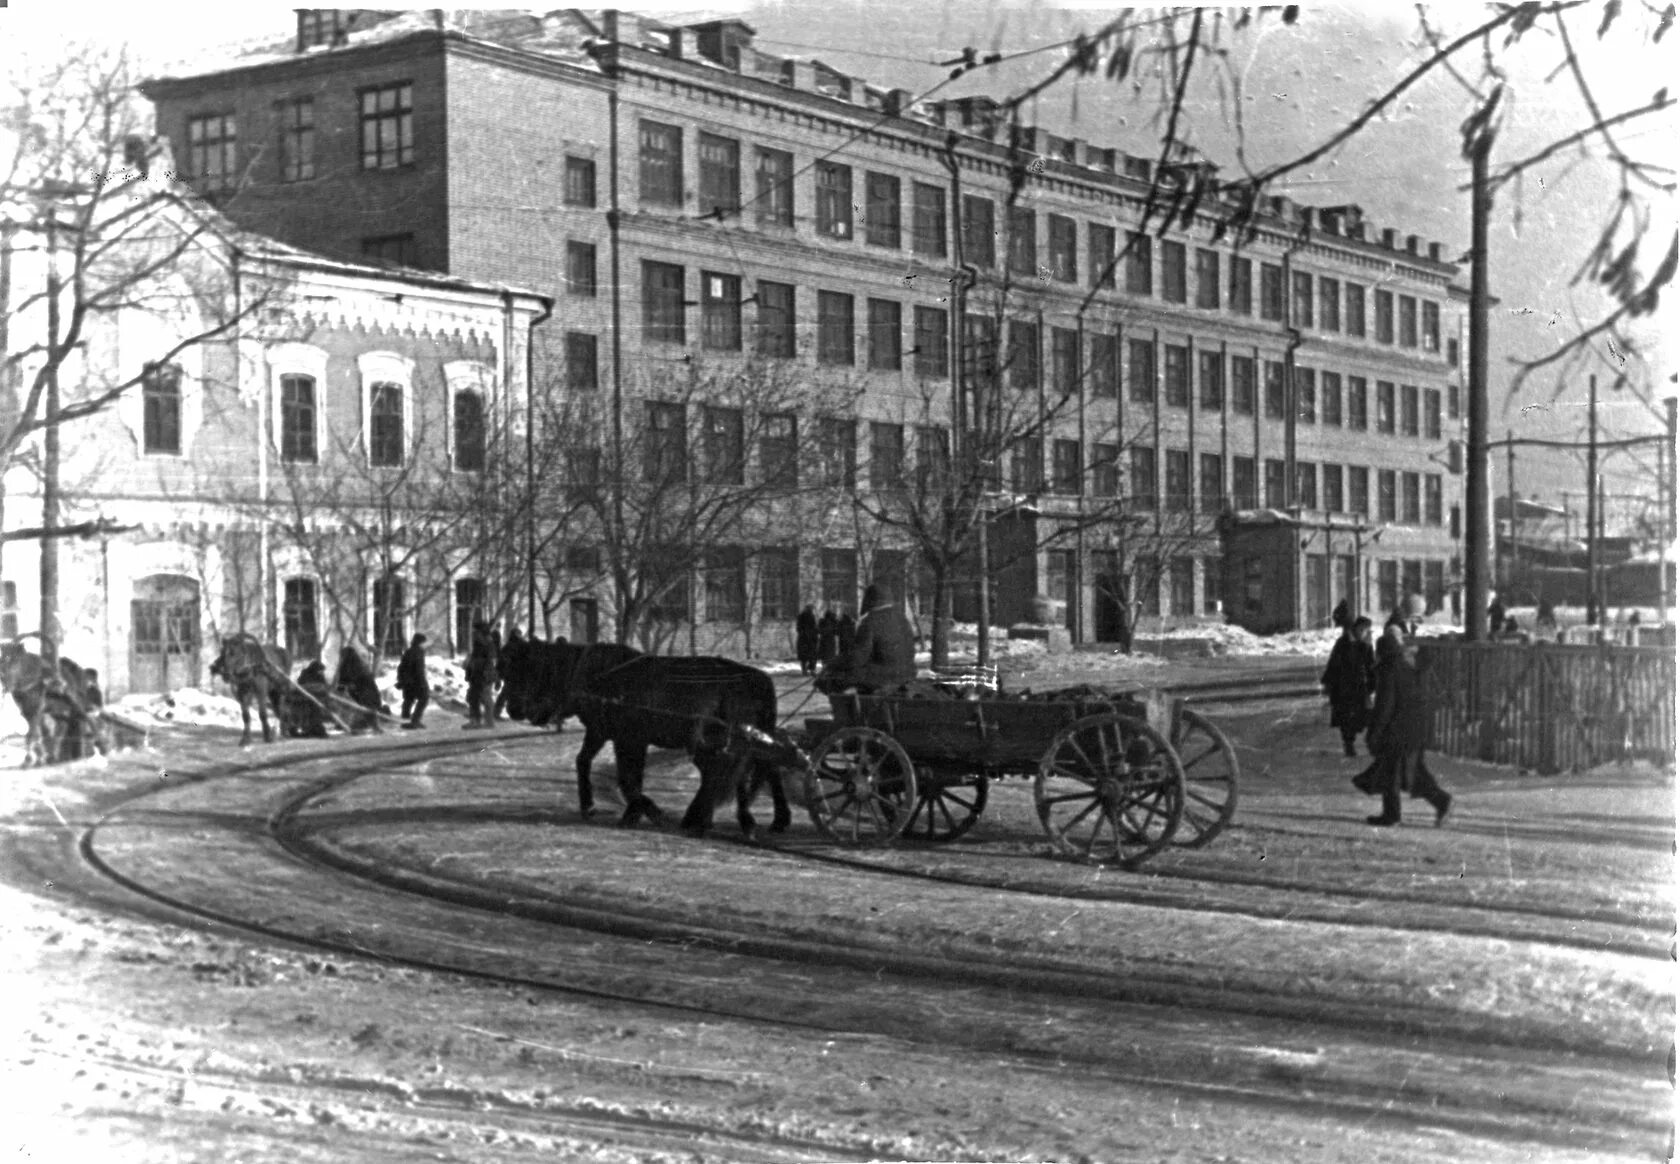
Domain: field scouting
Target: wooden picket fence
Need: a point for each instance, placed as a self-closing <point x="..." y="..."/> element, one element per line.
<point x="1550" y="707"/>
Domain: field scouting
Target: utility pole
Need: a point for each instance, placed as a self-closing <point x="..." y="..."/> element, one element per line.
<point x="50" y="457"/>
<point x="1511" y="505"/>
<point x="1476" y="472"/>
<point x="1666" y="543"/>
<point x="1592" y="500"/>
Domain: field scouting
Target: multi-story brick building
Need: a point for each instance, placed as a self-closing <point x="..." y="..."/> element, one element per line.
<point x="637" y="170"/>
<point x="297" y="447"/>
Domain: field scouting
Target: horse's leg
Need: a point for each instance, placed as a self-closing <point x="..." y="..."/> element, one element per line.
<point x="262" y="713"/>
<point x="632" y="767"/>
<point x="715" y="767"/>
<point x="593" y="741"/>
<point x="766" y="772"/>
<point x="245" y="718"/>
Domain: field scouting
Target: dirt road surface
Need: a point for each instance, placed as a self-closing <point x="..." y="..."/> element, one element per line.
<point x="409" y="947"/>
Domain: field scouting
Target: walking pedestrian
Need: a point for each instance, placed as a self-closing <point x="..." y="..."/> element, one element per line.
<point x="1349" y="679"/>
<point x="1340" y="618"/>
<point x="806" y="639"/>
<point x="845" y="634"/>
<point x="1398" y="735"/>
<point x="828" y="637"/>
<point x="1496" y="616"/>
<point x="412" y="682"/>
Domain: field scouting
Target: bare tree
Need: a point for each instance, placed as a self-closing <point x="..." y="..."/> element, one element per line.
<point x="93" y="233"/>
<point x="710" y="465"/>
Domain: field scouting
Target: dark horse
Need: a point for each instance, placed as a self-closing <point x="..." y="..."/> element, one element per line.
<point x="723" y="713"/>
<point x="63" y="713"/>
<point x="258" y="672"/>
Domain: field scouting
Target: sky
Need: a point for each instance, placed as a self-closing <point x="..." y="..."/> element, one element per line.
<point x="1298" y="84"/>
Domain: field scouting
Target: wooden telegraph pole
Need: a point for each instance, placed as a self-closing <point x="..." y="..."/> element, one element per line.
<point x="1592" y="501"/>
<point x="1476" y="541"/>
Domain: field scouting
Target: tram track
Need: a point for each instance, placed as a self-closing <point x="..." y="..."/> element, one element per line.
<point x="285" y="833"/>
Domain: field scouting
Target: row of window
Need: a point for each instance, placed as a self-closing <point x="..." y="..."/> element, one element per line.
<point x="385" y="140"/>
<point x="1208" y="279"/>
<point x="387" y="606"/>
<point x="1151" y="368"/>
<point x="723" y="459"/>
<point x="299" y="416"/>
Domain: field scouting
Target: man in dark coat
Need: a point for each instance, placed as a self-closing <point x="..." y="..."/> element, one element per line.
<point x="1348" y="680"/>
<point x="1340" y="617"/>
<point x="511" y="655"/>
<point x="1496" y="617"/>
<point x="828" y="637"/>
<point x="1398" y="735"/>
<point x="411" y="681"/>
<point x="805" y="639"/>
<point x="481" y="676"/>
<point x="883" y="651"/>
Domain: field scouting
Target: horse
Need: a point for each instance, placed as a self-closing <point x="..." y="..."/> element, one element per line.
<point x="541" y="679"/>
<point x="721" y="712"/>
<point x="355" y="682"/>
<point x="257" y="672"/>
<point x="63" y="711"/>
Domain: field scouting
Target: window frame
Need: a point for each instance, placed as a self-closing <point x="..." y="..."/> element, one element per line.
<point x="720" y="312"/>
<point x="374" y="154"/>
<point x="386" y="369"/>
<point x="778" y="336"/>
<point x="773" y="179"/>
<point x="659" y="158"/>
<point x="720" y="175"/>
<point x="836" y="329"/>
<point x="885" y="335"/>
<point x="163" y="410"/>
<point x="883" y="198"/>
<point x="833" y="184"/>
<point x="296" y="153"/>
<point x="664" y="307"/>
<point x="222" y="145"/>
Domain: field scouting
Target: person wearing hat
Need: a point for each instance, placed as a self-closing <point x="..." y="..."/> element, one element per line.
<point x="411" y="681"/>
<point x="883" y="651"/>
<point x="1348" y="680"/>
<point x="1397" y="737"/>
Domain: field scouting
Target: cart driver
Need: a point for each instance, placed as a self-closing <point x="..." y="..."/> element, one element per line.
<point x="883" y="654"/>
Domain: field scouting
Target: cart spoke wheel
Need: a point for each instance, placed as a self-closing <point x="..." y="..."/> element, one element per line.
<point x="945" y="811"/>
<point x="1210" y="778"/>
<point x="860" y="787"/>
<point x="1109" y="790"/>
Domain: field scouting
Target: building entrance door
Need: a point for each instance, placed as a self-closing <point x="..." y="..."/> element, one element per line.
<point x="1109" y="585"/>
<point x="586" y="621"/>
<point x="163" y="644"/>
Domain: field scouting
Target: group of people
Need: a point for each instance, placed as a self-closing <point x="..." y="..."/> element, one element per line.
<point x="1379" y="691"/>
<point x="484" y="656"/>
<point x="878" y="653"/>
<point x="817" y="642"/>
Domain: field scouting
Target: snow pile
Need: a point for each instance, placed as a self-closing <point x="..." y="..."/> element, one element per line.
<point x="185" y="705"/>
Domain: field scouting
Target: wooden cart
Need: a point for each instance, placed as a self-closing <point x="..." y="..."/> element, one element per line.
<point x="1116" y="777"/>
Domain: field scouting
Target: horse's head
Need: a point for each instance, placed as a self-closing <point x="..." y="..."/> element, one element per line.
<point x="774" y="746"/>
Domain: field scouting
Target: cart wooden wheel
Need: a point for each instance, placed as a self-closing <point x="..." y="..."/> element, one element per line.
<point x="1210" y="778"/>
<point x="1110" y="790"/>
<point x="860" y="787"/>
<point x="945" y="810"/>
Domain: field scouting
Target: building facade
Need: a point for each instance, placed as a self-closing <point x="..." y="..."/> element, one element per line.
<point x="304" y="449"/>
<point x="688" y="199"/>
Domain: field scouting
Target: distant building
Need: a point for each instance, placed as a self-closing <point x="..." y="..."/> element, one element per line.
<point x="278" y="476"/>
<point x="687" y="195"/>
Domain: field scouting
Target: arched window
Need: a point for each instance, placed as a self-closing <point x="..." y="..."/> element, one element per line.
<point x="160" y="393"/>
<point x="297" y="419"/>
<point x="385" y="424"/>
<point x="469" y="431"/>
